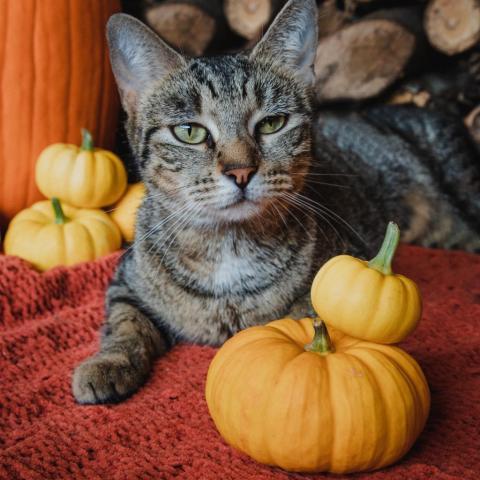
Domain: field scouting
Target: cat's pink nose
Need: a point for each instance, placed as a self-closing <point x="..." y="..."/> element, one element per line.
<point x="242" y="176"/>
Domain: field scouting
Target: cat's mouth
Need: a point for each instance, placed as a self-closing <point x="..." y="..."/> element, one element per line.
<point x="239" y="210"/>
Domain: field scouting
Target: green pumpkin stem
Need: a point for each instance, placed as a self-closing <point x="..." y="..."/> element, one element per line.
<point x="87" y="140"/>
<point x="321" y="342"/>
<point x="383" y="261"/>
<point x="60" y="217"/>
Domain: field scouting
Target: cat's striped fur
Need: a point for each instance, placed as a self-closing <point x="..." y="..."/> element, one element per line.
<point x="206" y="261"/>
<point x="206" y="264"/>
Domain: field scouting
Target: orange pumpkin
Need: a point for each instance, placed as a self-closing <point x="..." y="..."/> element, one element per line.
<point x="55" y="78"/>
<point x="333" y="404"/>
<point x="124" y="213"/>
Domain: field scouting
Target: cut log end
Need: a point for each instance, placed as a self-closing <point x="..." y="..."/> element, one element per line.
<point x="453" y="26"/>
<point x="420" y="99"/>
<point x="248" y="17"/>
<point x="361" y="60"/>
<point x="472" y="122"/>
<point x="186" y="27"/>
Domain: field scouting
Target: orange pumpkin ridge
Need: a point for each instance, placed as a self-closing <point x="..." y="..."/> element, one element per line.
<point x="47" y="98"/>
<point x="289" y="396"/>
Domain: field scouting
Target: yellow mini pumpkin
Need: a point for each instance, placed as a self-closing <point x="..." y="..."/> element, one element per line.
<point x="124" y="213"/>
<point x="366" y="299"/>
<point x="48" y="235"/>
<point x="340" y="405"/>
<point x="85" y="176"/>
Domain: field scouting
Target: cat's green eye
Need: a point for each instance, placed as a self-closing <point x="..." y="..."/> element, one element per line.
<point x="271" y="124"/>
<point x="190" y="133"/>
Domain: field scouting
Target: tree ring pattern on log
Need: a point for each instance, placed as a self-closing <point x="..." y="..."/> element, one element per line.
<point x="186" y="27"/>
<point x="248" y="17"/>
<point x="361" y="60"/>
<point x="453" y="26"/>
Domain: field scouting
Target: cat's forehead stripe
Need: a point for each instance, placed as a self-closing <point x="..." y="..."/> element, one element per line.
<point x="226" y="89"/>
<point x="224" y="74"/>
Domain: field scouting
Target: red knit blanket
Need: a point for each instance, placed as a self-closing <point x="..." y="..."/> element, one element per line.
<point x="49" y="322"/>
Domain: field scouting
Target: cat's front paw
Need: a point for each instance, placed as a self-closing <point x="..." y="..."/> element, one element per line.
<point x="105" y="378"/>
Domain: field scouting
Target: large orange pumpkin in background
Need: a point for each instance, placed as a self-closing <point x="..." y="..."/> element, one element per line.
<point x="55" y="78"/>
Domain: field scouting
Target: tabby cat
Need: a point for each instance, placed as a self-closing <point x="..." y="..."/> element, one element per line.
<point x="238" y="215"/>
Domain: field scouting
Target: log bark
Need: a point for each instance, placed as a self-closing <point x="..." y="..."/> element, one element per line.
<point x="362" y="60"/>
<point x="408" y="17"/>
<point x="411" y="18"/>
<point x="248" y="18"/>
<point x="187" y="25"/>
<point x="453" y="26"/>
<point x="331" y="18"/>
<point x="470" y="65"/>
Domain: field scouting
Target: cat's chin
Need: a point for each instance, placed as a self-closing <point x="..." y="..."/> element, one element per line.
<point x="237" y="212"/>
<point x="241" y="210"/>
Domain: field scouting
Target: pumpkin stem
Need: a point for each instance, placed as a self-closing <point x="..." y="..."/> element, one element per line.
<point x="87" y="140"/>
<point x="383" y="261"/>
<point x="60" y="217"/>
<point x="321" y="342"/>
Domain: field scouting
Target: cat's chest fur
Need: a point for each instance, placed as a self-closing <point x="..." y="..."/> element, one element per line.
<point x="206" y="287"/>
<point x="230" y="267"/>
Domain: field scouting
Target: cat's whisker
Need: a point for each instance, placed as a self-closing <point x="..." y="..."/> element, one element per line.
<point x="165" y="219"/>
<point x="157" y="227"/>
<point x="304" y="205"/>
<point x="312" y="174"/>
<point x="309" y="234"/>
<point x="153" y="196"/>
<point x="281" y="216"/>
<point x="174" y="227"/>
<point x="167" y="193"/>
<point x="332" y="215"/>
<point x="326" y="211"/>
<point x="175" y="220"/>
<point x="193" y="211"/>
<point x="306" y="211"/>
<point x="326" y="216"/>
<point x="203" y="200"/>
<point x="308" y="181"/>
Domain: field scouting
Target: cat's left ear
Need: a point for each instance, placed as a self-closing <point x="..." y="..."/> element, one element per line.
<point x="139" y="58"/>
<point x="292" y="39"/>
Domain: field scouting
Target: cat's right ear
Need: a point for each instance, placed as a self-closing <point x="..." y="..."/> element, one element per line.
<point x="291" y="39"/>
<point x="138" y="56"/>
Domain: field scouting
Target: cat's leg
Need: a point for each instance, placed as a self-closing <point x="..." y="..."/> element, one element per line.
<point x="129" y="345"/>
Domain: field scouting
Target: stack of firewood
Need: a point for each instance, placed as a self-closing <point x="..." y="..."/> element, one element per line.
<point x="410" y="51"/>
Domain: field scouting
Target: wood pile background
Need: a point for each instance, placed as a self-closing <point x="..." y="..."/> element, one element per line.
<point x="421" y="52"/>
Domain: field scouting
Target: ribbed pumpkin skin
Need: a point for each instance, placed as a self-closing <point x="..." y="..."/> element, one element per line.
<point x="124" y="213"/>
<point x="82" y="178"/>
<point x="364" y="303"/>
<point x="360" y="408"/>
<point x="55" y="78"/>
<point x="34" y="236"/>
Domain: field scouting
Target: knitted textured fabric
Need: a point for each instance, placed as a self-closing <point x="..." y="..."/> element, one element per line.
<point x="49" y="322"/>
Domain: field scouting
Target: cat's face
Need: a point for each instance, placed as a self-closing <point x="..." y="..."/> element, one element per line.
<point x="225" y="138"/>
